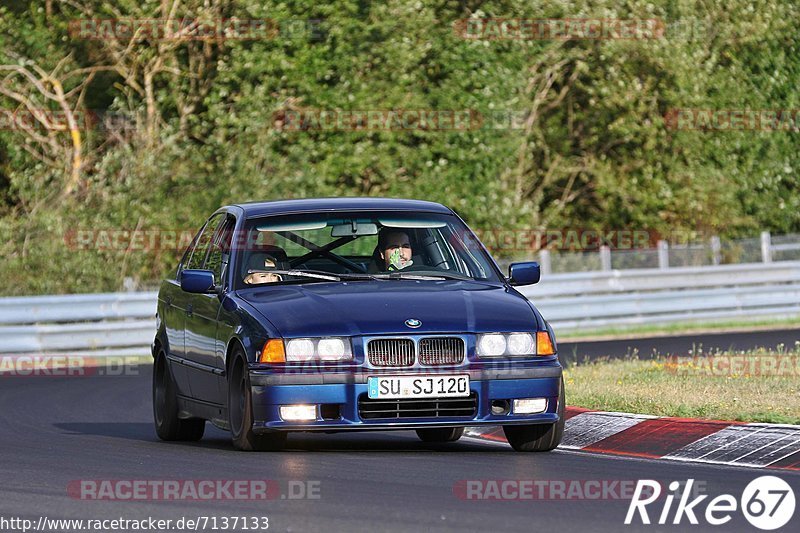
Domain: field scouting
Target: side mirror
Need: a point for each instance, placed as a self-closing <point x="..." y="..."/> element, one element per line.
<point x="197" y="281"/>
<point x="524" y="273"/>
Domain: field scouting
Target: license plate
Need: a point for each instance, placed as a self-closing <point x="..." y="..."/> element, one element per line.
<point x="393" y="387"/>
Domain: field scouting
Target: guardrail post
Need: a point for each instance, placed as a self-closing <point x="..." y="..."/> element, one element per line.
<point x="129" y="284"/>
<point x="716" y="250"/>
<point x="766" y="247"/>
<point x="605" y="258"/>
<point x="545" y="265"/>
<point x="663" y="254"/>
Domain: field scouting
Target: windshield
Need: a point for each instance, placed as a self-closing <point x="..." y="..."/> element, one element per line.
<point x="343" y="246"/>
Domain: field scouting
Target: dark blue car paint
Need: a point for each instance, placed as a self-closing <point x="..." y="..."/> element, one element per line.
<point x="376" y="307"/>
<point x="199" y="362"/>
<point x="523" y="273"/>
<point x="197" y="281"/>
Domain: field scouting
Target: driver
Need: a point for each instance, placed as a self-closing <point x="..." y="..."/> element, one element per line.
<point x="395" y="249"/>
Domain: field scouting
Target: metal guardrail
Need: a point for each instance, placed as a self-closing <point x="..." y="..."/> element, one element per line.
<point x="650" y="280"/>
<point x="124" y="323"/>
<point x="100" y="324"/>
<point x="590" y="300"/>
<point x="84" y="307"/>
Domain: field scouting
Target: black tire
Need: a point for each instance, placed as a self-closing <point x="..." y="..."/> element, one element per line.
<point x="440" y="434"/>
<point x="538" y="437"/>
<point x="165" y="407"/>
<point x="240" y="412"/>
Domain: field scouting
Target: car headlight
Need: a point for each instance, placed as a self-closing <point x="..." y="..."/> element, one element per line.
<point x="300" y="350"/>
<point x="521" y="344"/>
<point x="333" y="349"/>
<point x="491" y="344"/>
<point x="511" y="344"/>
<point x="323" y="349"/>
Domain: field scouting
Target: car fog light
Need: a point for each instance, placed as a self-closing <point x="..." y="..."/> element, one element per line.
<point x="297" y="413"/>
<point x="499" y="407"/>
<point x="529" y="406"/>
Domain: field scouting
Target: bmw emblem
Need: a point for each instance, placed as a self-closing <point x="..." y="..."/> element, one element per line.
<point x="413" y="323"/>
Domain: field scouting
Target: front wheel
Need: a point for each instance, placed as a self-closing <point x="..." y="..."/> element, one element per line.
<point x="538" y="437"/>
<point x="165" y="407"/>
<point x="440" y="434"/>
<point x="240" y="413"/>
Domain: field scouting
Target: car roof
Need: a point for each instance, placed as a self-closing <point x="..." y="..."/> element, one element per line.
<point x="281" y="207"/>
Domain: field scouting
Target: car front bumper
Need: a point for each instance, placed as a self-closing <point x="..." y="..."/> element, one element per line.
<point x="270" y="391"/>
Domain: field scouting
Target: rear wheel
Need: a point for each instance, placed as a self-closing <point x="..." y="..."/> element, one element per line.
<point x="538" y="437"/>
<point x="440" y="434"/>
<point x="165" y="407"/>
<point x="240" y="412"/>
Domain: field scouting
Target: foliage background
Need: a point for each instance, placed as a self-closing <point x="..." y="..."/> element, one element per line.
<point x="595" y="154"/>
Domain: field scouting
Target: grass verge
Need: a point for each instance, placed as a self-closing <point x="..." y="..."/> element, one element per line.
<point x="677" y="328"/>
<point x="756" y="386"/>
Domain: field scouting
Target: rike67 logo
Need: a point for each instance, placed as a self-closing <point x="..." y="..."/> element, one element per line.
<point x="767" y="502"/>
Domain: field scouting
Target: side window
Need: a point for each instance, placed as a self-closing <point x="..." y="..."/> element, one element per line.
<point x="219" y="256"/>
<point x="198" y="255"/>
<point x="184" y="264"/>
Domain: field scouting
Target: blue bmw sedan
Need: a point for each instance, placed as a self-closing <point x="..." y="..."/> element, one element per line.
<point x="350" y="314"/>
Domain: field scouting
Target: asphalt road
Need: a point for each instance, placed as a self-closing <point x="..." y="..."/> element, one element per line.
<point x="677" y="345"/>
<point x="61" y="429"/>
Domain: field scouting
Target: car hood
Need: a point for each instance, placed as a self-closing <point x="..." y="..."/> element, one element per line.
<point x="381" y="307"/>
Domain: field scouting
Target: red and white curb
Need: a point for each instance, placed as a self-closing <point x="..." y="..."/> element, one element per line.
<point x="675" y="439"/>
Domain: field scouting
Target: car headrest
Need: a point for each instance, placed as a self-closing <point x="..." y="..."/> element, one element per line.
<point x="267" y="258"/>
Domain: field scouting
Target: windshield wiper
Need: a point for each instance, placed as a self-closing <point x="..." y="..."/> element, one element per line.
<point x="436" y="276"/>
<point x="350" y="276"/>
<point x="315" y="274"/>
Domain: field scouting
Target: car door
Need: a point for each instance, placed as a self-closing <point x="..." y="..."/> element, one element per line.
<point x="204" y="366"/>
<point x="174" y="305"/>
